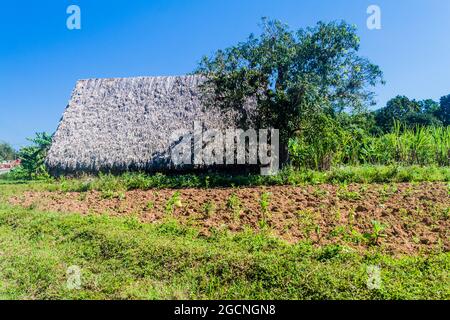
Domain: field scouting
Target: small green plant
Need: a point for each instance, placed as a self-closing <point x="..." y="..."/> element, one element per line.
<point x="387" y="191"/>
<point x="446" y="213"/>
<point x="110" y="194"/>
<point x="363" y="189"/>
<point x="344" y="194"/>
<point x="209" y="208"/>
<point x="408" y="192"/>
<point x="320" y="193"/>
<point x="173" y="202"/>
<point x="107" y="194"/>
<point x="150" y="205"/>
<point x="377" y="233"/>
<point x="351" y="217"/>
<point x="338" y="215"/>
<point x="339" y="231"/>
<point x="263" y="224"/>
<point x="82" y="196"/>
<point x="356" y="236"/>
<point x="306" y="222"/>
<point x="348" y="234"/>
<point x="318" y="230"/>
<point x="234" y="204"/>
<point x="264" y="202"/>
<point x="403" y="213"/>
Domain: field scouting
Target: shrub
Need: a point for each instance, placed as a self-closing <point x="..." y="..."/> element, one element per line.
<point x="33" y="157"/>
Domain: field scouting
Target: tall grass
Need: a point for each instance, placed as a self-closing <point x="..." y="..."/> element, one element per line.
<point x="403" y="146"/>
<point x="287" y="176"/>
<point x="421" y="145"/>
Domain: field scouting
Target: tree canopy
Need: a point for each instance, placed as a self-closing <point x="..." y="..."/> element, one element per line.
<point x="443" y="113"/>
<point x="295" y="76"/>
<point x="411" y="113"/>
<point x="7" y="152"/>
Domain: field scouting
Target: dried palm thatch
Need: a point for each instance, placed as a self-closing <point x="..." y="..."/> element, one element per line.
<point x="125" y="124"/>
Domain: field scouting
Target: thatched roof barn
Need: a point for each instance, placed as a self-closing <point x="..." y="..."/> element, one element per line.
<point x="125" y="124"/>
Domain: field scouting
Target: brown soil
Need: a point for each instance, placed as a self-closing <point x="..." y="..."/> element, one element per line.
<point x="415" y="216"/>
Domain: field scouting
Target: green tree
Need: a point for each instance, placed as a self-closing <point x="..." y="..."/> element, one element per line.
<point x="7" y="152"/>
<point x="33" y="157"/>
<point x="422" y="119"/>
<point x="295" y="77"/>
<point x="443" y="113"/>
<point x="429" y="106"/>
<point x="397" y="109"/>
<point x="407" y="111"/>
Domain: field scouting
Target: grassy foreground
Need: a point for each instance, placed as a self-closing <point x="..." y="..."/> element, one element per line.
<point x="121" y="258"/>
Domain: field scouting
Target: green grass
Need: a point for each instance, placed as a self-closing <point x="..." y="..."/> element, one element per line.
<point x="419" y="145"/>
<point x="110" y="184"/>
<point x="121" y="258"/>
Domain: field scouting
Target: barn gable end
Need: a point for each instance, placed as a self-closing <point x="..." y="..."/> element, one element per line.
<point x="124" y="124"/>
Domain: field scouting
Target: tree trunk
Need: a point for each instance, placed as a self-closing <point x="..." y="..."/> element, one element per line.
<point x="284" y="152"/>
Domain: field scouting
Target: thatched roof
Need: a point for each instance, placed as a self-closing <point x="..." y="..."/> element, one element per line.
<point x="125" y="123"/>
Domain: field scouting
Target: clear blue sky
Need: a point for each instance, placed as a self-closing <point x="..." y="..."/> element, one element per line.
<point x="40" y="59"/>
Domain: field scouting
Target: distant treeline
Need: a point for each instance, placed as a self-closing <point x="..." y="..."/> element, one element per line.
<point x="7" y="152"/>
<point x="411" y="113"/>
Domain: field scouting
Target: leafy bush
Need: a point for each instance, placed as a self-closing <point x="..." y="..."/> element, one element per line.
<point x="317" y="144"/>
<point x="33" y="158"/>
